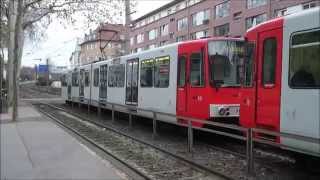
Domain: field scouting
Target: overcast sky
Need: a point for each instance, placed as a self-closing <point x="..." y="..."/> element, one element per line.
<point x="60" y="40"/>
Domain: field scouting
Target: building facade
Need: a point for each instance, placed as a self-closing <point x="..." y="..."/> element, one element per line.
<point x="183" y="20"/>
<point x="74" y="59"/>
<point x="103" y="43"/>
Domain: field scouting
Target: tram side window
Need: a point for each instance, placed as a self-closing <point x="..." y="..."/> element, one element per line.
<point x="182" y="71"/>
<point x="196" y="70"/>
<point x="146" y="73"/>
<point x="86" y="79"/>
<point x="103" y="75"/>
<point x="96" y="77"/>
<point x="269" y="61"/>
<point x="161" y="72"/>
<point x="304" y="65"/>
<point x="64" y="81"/>
<point x="116" y="75"/>
<point x="75" y="81"/>
<point x="248" y="65"/>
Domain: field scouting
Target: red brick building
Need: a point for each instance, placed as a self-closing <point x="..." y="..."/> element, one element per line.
<point x="106" y="41"/>
<point x="192" y="19"/>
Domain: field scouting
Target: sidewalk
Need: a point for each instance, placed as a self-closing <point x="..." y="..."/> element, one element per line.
<point x="36" y="148"/>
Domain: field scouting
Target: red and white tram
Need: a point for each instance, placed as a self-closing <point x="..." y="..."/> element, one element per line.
<point x="270" y="79"/>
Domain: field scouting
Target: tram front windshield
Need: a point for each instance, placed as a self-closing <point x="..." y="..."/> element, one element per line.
<point x="226" y="62"/>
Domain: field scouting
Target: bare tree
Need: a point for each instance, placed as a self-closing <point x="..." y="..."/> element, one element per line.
<point x="24" y="16"/>
<point x="3" y="44"/>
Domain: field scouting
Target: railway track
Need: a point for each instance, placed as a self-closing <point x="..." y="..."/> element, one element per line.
<point x="145" y="159"/>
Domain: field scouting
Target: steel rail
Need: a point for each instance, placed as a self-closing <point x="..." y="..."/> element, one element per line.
<point x="95" y="145"/>
<point x="188" y="161"/>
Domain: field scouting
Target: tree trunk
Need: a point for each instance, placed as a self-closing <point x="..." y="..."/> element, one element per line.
<point x="18" y="44"/>
<point x="1" y="77"/>
<point x="11" y="39"/>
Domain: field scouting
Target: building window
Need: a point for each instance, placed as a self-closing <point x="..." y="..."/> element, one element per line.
<point x="255" y="20"/>
<point x="181" y="38"/>
<point x="221" y="30"/>
<point x="146" y="73"/>
<point x="182" y="24"/>
<point x="131" y="40"/>
<point x="134" y="50"/>
<point x="152" y="46"/>
<point x="161" y="72"/>
<point x="192" y="2"/>
<point x="199" y="34"/>
<point x="237" y="15"/>
<point x="153" y="34"/>
<point x="162" y="43"/>
<point x="281" y="12"/>
<point x="140" y="38"/>
<point x="304" y="64"/>
<point x="181" y="6"/>
<point x="200" y="18"/>
<point x="255" y="3"/>
<point x="222" y="10"/>
<point x="164" y="30"/>
<point x="269" y="61"/>
<point x="309" y="5"/>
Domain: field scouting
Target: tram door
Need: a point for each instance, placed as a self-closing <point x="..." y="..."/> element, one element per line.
<point x="269" y="77"/>
<point x="191" y="82"/>
<point x="103" y="82"/>
<point x="132" y="71"/>
<point x="81" y="89"/>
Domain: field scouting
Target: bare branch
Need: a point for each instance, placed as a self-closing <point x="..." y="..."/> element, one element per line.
<point x="32" y="3"/>
<point x="30" y="22"/>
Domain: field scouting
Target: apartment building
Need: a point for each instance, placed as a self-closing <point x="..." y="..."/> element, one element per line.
<point x="105" y="42"/>
<point x="183" y="20"/>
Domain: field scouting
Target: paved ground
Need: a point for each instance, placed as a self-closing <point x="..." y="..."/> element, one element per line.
<point x="35" y="148"/>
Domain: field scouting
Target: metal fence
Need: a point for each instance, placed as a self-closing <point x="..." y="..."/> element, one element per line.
<point x="249" y="137"/>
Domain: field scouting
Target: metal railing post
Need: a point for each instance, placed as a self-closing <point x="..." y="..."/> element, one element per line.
<point x="190" y="136"/>
<point x="249" y="152"/>
<point x="154" y="125"/>
<point x="72" y="104"/>
<point x="88" y="108"/>
<point x="99" y="109"/>
<point x="130" y="119"/>
<point x="112" y="115"/>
